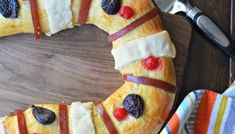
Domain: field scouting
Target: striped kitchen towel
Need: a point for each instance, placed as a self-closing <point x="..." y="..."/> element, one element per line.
<point x="204" y="112"/>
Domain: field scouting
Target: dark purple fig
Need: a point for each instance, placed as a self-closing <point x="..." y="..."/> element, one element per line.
<point x="111" y="7"/>
<point x="43" y="115"/>
<point x="9" y="8"/>
<point x="134" y="105"/>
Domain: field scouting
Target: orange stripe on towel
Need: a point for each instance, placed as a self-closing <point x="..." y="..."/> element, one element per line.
<point x="204" y="112"/>
<point x="174" y="124"/>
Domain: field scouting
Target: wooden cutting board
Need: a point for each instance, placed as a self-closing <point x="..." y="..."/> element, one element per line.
<point x="73" y="65"/>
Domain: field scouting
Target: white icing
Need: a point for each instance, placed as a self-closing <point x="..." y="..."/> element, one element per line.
<point x="59" y="15"/>
<point x="81" y="118"/>
<point x="158" y="45"/>
<point x="2" y="129"/>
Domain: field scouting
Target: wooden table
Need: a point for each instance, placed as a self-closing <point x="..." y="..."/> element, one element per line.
<point x="72" y="65"/>
<point x="207" y="66"/>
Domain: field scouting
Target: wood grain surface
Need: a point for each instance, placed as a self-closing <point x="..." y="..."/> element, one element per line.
<point x="208" y="67"/>
<point x="73" y="65"/>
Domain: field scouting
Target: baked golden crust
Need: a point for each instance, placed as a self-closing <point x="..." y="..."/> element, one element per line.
<point x="11" y="126"/>
<point x="157" y="101"/>
<point x="113" y="23"/>
<point x="23" y="24"/>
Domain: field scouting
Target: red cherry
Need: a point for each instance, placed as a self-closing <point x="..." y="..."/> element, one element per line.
<point x="151" y="63"/>
<point x="120" y="114"/>
<point x="126" y="12"/>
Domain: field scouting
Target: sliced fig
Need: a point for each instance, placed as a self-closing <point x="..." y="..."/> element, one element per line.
<point x="134" y="105"/>
<point x="9" y="8"/>
<point x="43" y="115"/>
<point x="111" y="7"/>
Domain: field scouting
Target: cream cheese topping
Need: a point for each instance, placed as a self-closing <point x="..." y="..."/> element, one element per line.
<point x="158" y="45"/>
<point x="59" y="15"/>
<point x="81" y="118"/>
<point x="2" y="129"/>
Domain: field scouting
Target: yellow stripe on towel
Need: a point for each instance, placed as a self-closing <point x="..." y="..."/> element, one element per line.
<point x="220" y="115"/>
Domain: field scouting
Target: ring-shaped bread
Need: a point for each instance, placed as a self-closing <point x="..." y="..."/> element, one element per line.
<point x="143" y="54"/>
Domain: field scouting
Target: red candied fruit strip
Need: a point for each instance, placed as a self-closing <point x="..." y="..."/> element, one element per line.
<point x="105" y="117"/>
<point x="83" y="12"/>
<point x="134" y="24"/>
<point x="152" y="82"/>
<point x="63" y="114"/>
<point x="21" y="121"/>
<point x="35" y="18"/>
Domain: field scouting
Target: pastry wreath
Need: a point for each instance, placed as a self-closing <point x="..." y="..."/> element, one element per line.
<point x="143" y="54"/>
